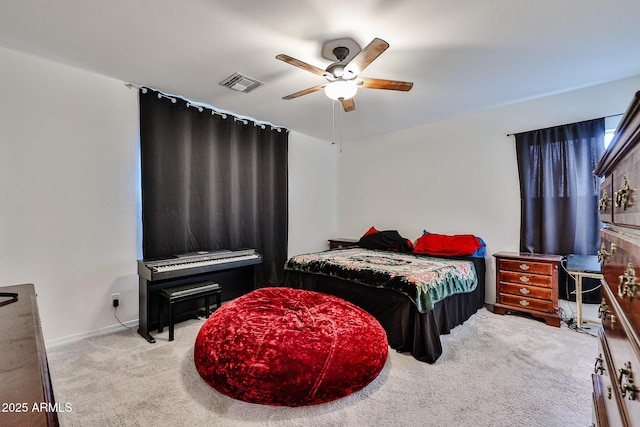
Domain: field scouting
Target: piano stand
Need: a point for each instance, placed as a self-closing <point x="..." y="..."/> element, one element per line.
<point x="186" y="293"/>
<point x="232" y="271"/>
<point x="146" y="336"/>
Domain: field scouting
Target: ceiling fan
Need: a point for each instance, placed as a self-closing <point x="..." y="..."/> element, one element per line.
<point x="343" y="77"/>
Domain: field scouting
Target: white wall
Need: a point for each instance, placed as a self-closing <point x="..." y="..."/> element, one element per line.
<point x="459" y="175"/>
<point x="69" y="176"/>
<point x="313" y="199"/>
<point x="69" y="183"/>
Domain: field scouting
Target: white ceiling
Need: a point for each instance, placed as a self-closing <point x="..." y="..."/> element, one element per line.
<point x="462" y="55"/>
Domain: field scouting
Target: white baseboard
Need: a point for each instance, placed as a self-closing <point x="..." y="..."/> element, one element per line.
<point x="102" y="331"/>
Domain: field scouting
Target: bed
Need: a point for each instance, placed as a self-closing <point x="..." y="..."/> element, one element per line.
<point x="413" y="305"/>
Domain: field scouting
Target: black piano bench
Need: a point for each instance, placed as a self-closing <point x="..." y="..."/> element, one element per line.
<point x="186" y="293"/>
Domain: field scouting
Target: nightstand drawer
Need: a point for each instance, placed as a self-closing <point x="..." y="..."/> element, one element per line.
<point x="525" y="291"/>
<point x="526" y="266"/>
<point x="526" y="303"/>
<point x="526" y="279"/>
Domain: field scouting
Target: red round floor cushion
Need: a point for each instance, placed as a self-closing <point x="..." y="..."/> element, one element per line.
<point x="289" y="347"/>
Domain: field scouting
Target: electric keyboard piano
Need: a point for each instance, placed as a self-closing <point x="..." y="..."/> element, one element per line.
<point x="232" y="269"/>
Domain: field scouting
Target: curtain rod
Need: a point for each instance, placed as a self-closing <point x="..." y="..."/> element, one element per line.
<point x="215" y="112"/>
<point x="549" y="127"/>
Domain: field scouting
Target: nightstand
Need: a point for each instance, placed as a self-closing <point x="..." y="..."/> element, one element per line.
<point x="342" y="243"/>
<point x="528" y="283"/>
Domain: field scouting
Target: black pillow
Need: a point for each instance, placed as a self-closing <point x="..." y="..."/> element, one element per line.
<point x="389" y="240"/>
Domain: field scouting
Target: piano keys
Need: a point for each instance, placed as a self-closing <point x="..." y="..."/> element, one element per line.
<point x="196" y="263"/>
<point x="232" y="269"/>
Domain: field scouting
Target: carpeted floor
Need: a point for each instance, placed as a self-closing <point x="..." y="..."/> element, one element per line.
<point x="495" y="371"/>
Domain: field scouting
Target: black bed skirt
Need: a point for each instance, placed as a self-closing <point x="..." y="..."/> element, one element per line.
<point x="408" y="330"/>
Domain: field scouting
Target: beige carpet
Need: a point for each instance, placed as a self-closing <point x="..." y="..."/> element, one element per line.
<point x="495" y="371"/>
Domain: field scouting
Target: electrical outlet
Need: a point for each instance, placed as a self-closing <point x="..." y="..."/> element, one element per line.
<point x="115" y="299"/>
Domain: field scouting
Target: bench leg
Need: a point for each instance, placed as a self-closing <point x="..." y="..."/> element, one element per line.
<point x="170" y="320"/>
<point x="160" y="313"/>
<point x="218" y="300"/>
<point x="206" y="306"/>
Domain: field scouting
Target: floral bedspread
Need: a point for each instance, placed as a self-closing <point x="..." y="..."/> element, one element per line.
<point x="424" y="279"/>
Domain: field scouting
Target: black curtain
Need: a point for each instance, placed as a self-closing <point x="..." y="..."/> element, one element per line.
<point x="559" y="192"/>
<point x="212" y="182"/>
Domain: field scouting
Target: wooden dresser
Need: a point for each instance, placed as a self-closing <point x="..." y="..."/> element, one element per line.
<point x="26" y="394"/>
<point x="528" y="283"/>
<point x="616" y="378"/>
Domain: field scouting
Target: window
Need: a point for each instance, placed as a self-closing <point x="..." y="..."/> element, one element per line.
<point x="559" y="193"/>
<point x="610" y="125"/>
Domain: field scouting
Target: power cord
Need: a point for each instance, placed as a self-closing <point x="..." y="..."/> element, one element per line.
<point x="115" y="314"/>
<point x="566" y="281"/>
<point x="572" y="324"/>
<point x="569" y="320"/>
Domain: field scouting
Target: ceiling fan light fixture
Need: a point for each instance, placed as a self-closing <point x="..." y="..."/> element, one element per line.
<point x="343" y="75"/>
<point x="341" y="89"/>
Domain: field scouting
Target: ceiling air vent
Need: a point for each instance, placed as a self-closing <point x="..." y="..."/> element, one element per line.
<point x="241" y="83"/>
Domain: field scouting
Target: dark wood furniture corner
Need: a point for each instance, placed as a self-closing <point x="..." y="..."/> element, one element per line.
<point x="24" y="370"/>
<point x="616" y="373"/>
<point x="528" y="283"/>
<point x="342" y="243"/>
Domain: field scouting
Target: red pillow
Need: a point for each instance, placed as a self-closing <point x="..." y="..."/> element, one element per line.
<point x="372" y="230"/>
<point x="444" y="245"/>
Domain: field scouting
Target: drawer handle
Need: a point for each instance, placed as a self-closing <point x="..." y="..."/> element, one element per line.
<point x="524" y="291"/>
<point x="603" y="255"/>
<point x="628" y="386"/>
<point x="524" y="279"/>
<point x="599" y="368"/>
<point x="628" y="285"/>
<point x="524" y="267"/>
<point x="524" y="303"/>
<point x="604" y="313"/>
<point x="603" y="310"/>
<point x="623" y="194"/>
<point x="605" y="201"/>
<point x="612" y="322"/>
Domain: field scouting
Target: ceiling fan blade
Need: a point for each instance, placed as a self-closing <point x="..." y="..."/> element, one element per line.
<point x="348" y="104"/>
<point x="308" y="67"/>
<point x="366" y="56"/>
<point x="370" y="83"/>
<point x="303" y="92"/>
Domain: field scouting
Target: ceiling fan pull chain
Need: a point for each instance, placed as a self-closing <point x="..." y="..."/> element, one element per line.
<point x="340" y="112"/>
<point x="333" y="123"/>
